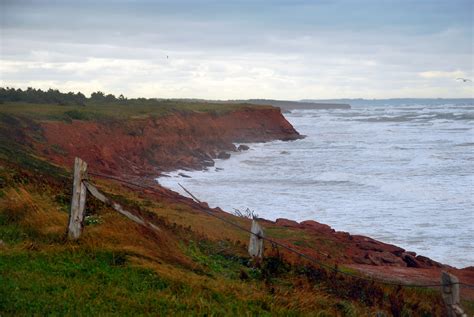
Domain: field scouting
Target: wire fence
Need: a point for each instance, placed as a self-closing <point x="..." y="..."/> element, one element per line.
<point x="279" y="244"/>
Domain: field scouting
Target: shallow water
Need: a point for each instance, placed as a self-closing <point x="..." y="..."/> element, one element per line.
<point x="402" y="175"/>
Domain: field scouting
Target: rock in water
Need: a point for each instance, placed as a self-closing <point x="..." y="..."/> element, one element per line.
<point x="243" y="147"/>
<point x="223" y="155"/>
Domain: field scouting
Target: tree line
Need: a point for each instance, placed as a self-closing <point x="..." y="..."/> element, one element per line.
<point x="54" y="96"/>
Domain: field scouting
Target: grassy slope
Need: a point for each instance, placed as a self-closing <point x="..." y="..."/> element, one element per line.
<point x="196" y="264"/>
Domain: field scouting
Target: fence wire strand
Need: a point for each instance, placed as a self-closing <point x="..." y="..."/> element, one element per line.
<point x="288" y="248"/>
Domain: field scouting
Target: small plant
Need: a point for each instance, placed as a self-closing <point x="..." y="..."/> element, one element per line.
<point x="247" y="213"/>
<point x="91" y="220"/>
<point x="346" y="308"/>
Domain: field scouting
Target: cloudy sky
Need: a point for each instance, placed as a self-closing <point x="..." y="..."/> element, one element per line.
<point x="282" y="49"/>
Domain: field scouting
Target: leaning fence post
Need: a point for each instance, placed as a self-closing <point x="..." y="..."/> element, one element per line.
<point x="78" y="202"/>
<point x="256" y="241"/>
<point x="450" y="293"/>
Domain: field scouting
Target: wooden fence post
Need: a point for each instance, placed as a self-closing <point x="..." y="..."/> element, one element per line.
<point x="256" y="241"/>
<point x="78" y="202"/>
<point x="450" y="293"/>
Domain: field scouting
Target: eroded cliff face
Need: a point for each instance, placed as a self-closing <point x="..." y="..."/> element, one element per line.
<point x="145" y="147"/>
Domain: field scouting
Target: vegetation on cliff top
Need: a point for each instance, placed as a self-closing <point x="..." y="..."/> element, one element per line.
<point x="54" y="105"/>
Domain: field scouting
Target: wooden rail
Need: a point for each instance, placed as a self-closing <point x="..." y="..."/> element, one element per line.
<point x="109" y="202"/>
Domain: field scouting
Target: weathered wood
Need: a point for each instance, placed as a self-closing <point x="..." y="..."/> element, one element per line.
<point x="78" y="201"/>
<point x="256" y="240"/>
<point x="97" y="194"/>
<point x="190" y="194"/>
<point x="450" y="293"/>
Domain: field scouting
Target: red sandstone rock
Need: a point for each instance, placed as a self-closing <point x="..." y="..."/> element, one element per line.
<point x="313" y="225"/>
<point x="287" y="223"/>
<point x="375" y="260"/>
<point x="362" y="260"/>
<point x="427" y="261"/>
<point x="366" y="243"/>
<point x="410" y="260"/>
<point x="385" y="258"/>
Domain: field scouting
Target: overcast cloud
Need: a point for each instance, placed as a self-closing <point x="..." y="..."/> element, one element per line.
<point x="241" y="49"/>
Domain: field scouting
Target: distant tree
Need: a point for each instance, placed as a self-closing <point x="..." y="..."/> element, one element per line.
<point x="54" y="96"/>
<point x="80" y="99"/>
<point x="97" y="96"/>
<point x="110" y="98"/>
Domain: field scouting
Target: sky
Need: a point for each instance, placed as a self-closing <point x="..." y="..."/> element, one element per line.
<point x="214" y="49"/>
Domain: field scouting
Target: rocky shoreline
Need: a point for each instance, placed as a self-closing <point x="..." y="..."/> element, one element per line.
<point x="365" y="250"/>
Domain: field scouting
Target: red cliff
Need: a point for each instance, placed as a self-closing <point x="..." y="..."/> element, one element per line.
<point x="152" y="145"/>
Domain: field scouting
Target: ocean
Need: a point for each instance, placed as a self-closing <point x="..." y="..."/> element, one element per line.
<point x="402" y="174"/>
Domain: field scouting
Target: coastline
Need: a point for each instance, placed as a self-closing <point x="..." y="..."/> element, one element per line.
<point x="361" y="253"/>
<point x="357" y="252"/>
<point x="127" y="157"/>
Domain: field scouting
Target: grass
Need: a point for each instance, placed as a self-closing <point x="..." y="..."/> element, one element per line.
<point x="217" y="259"/>
<point x="86" y="282"/>
<point x="113" y="111"/>
<point x="67" y="283"/>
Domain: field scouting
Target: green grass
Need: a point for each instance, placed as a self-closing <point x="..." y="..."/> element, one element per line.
<point x="14" y="153"/>
<point x="11" y="233"/>
<point x="86" y="282"/>
<point x="108" y="111"/>
<point x="74" y="283"/>
<point x="468" y="306"/>
<point x="215" y="260"/>
<point x="282" y="233"/>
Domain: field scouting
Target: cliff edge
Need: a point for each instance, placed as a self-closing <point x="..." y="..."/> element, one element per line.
<point x="148" y="146"/>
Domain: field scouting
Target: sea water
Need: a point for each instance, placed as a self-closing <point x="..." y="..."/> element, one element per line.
<point x="400" y="174"/>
